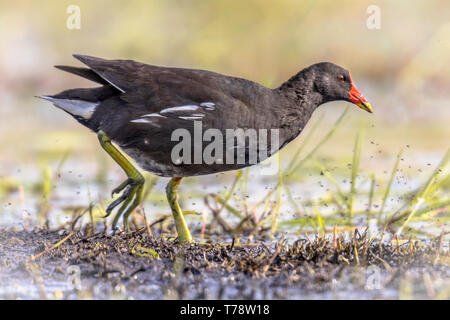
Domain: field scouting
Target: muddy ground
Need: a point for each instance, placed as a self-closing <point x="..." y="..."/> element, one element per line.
<point x="35" y="264"/>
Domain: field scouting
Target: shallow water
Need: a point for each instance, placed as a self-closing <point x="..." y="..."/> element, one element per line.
<point x="75" y="186"/>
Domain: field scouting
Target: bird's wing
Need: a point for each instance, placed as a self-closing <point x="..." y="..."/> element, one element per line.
<point x="178" y="94"/>
<point x="155" y="101"/>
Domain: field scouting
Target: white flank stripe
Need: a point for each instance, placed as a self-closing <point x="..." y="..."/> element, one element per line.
<point x="207" y="104"/>
<point x="189" y="107"/>
<point x="142" y="121"/>
<point x="191" y="118"/>
<point x="147" y="121"/>
<point x="154" y="115"/>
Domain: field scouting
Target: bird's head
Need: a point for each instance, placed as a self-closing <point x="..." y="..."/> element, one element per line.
<point x="335" y="83"/>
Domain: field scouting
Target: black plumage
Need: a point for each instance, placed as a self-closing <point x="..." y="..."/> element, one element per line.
<point x="145" y="108"/>
<point x="131" y="91"/>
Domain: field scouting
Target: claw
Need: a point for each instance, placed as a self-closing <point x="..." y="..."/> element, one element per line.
<point x="132" y="194"/>
<point x="137" y="200"/>
<point x="121" y="187"/>
<point x="121" y="210"/>
<point x="118" y="201"/>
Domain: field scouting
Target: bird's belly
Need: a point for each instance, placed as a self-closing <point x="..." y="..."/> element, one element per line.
<point x="148" y="163"/>
<point x="166" y="168"/>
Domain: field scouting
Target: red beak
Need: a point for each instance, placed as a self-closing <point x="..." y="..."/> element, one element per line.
<point x="357" y="98"/>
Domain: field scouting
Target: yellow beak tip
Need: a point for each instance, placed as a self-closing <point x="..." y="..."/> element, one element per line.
<point x="366" y="106"/>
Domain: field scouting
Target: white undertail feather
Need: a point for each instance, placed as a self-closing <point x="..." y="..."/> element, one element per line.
<point x="80" y="108"/>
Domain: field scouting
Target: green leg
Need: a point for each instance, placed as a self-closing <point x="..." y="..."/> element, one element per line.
<point x="132" y="187"/>
<point x="184" y="236"/>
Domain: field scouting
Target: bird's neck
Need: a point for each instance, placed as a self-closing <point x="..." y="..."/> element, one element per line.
<point x="301" y="98"/>
<point x="301" y="92"/>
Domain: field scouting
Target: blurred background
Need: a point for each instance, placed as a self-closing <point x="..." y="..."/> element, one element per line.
<point x="386" y="171"/>
<point x="402" y="68"/>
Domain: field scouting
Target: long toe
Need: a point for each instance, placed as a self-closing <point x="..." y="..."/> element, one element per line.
<point x="119" y="200"/>
<point x="138" y="192"/>
<point x="122" y="186"/>
<point x="129" y="200"/>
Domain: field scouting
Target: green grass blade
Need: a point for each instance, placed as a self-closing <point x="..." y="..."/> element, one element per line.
<point x="276" y="211"/>
<point x="389" y="185"/>
<point x="424" y="192"/>
<point x="330" y="133"/>
<point x="355" y="169"/>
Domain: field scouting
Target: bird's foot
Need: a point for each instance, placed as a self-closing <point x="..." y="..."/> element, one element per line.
<point x="129" y="200"/>
<point x="132" y="188"/>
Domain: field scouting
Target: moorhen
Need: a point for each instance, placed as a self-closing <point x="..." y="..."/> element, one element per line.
<point x="146" y="109"/>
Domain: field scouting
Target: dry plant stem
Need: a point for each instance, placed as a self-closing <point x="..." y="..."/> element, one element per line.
<point x="56" y="245"/>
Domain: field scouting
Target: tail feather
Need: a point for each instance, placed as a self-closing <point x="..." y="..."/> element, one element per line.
<point x="106" y="69"/>
<point x="82" y="102"/>
<point x="97" y="94"/>
<point x="84" y="72"/>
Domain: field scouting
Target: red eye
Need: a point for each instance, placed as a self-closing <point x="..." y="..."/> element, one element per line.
<point x="341" y="78"/>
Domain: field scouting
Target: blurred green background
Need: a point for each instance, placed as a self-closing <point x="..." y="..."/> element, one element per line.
<point x="49" y="163"/>
<point x="402" y="68"/>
